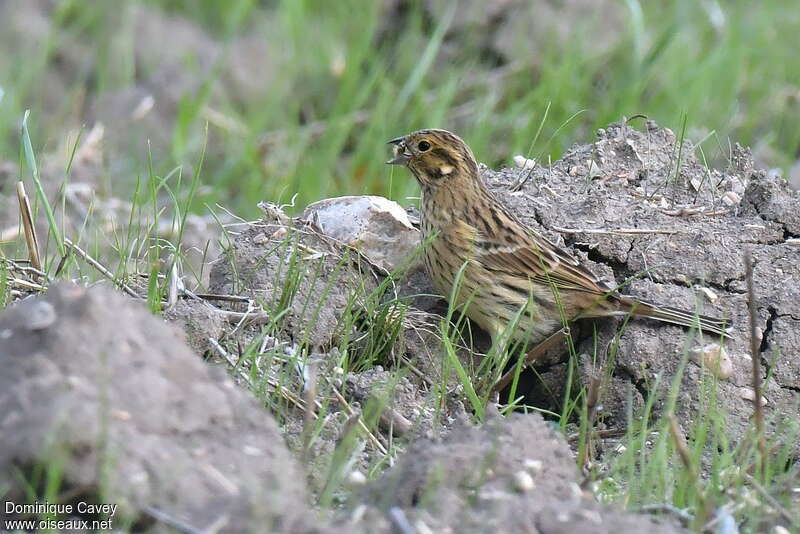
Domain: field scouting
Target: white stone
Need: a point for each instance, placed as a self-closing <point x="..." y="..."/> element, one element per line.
<point x="524" y="163"/>
<point x="731" y="198"/>
<point x="533" y="466"/>
<point x="376" y="226"/>
<point x="523" y="481"/>
<point x="749" y="395"/>
<point x="710" y="295"/>
<point x="356" y="478"/>
<point x="715" y="359"/>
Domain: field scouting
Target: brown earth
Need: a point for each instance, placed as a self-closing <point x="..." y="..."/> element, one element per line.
<point x="120" y="404"/>
<point x="627" y="179"/>
<point x="94" y="384"/>
<point x="512" y="474"/>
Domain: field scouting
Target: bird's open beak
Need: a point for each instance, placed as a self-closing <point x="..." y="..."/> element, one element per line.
<point x="401" y="154"/>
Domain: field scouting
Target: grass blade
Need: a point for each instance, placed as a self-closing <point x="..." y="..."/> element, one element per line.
<point x="30" y="158"/>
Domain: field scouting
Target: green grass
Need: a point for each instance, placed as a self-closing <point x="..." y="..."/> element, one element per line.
<point x="339" y="86"/>
<point x="717" y="474"/>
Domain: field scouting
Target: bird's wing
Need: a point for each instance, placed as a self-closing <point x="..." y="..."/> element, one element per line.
<point x="526" y="254"/>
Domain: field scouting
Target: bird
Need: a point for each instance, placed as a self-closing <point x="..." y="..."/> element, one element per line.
<point x="496" y="269"/>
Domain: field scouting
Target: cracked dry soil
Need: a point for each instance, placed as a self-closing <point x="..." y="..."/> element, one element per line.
<point x="697" y="222"/>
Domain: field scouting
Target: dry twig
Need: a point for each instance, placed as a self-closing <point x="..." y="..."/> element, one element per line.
<point x="592" y="403"/>
<point x="372" y="438"/>
<point x="689" y="211"/>
<point x="599" y="434"/>
<point x="309" y="415"/>
<point x="755" y="353"/>
<point x="241" y="317"/>
<point x="771" y="500"/>
<point x="618" y="231"/>
<point x="224" y="298"/>
<point x="29" y="227"/>
<point x="278" y="388"/>
<point x="26" y="284"/>
<point x="100" y="268"/>
<point x="686" y="459"/>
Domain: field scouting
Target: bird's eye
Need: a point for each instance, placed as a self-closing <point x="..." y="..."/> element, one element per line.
<point x="423" y="146"/>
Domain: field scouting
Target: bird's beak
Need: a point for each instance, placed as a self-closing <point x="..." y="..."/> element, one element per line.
<point x="401" y="154"/>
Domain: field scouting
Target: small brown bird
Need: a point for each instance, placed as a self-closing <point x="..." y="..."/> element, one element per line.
<point x="506" y="268"/>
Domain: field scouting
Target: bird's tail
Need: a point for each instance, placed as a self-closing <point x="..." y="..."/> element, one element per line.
<point x="668" y="314"/>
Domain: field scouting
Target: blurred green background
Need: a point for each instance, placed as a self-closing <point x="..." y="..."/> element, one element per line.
<point x="301" y="96"/>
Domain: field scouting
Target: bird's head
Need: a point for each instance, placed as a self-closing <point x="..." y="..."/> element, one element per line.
<point x="434" y="157"/>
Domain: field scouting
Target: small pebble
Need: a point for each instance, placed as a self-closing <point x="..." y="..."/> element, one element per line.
<point x="731" y="199"/>
<point x="775" y="173"/>
<point x="577" y="170"/>
<point x="143" y="108"/>
<point x="41" y="315"/>
<point x="280" y="233"/>
<point x="710" y="295"/>
<point x="524" y="163"/>
<point x="249" y="450"/>
<point x="592" y="516"/>
<point x="356" y="478"/>
<point x="523" y="481"/>
<point x="121" y="415"/>
<point x="749" y="395"/>
<point x="715" y="358"/>
<point x="533" y="466"/>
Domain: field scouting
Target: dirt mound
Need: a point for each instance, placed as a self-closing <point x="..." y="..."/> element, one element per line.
<point x="120" y="404"/>
<point x="132" y="417"/>
<point x="285" y="264"/>
<point x="511" y="474"/>
<point x="314" y="292"/>
<point x="643" y="211"/>
<point x="199" y="323"/>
